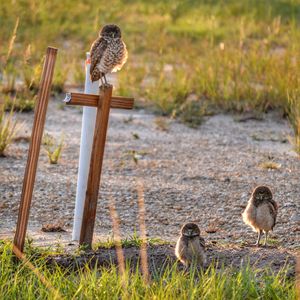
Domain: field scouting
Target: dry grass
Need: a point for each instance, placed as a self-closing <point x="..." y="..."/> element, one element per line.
<point x="294" y="117"/>
<point x="53" y="228"/>
<point x="270" y="165"/>
<point x="162" y="123"/>
<point x="9" y="127"/>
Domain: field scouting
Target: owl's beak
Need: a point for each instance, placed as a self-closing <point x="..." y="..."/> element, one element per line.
<point x="113" y="34"/>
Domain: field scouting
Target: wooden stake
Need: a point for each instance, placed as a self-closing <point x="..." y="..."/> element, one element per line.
<point x="34" y="149"/>
<point x="90" y="205"/>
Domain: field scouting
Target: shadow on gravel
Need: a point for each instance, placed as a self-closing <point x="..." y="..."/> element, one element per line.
<point x="162" y="256"/>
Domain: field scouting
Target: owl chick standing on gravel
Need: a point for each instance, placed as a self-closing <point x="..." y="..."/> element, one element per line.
<point x="108" y="53"/>
<point x="261" y="212"/>
<point x="190" y="247"/>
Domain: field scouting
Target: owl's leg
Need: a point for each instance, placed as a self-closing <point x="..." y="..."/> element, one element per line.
<point x="258" y="237"/>
<point x="186" y="268"/>
<point x="266" y="238"/>
<point x="104" y="78"/>
<point x="102" y="83"/>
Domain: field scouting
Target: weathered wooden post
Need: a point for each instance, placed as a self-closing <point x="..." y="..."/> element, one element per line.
<point x="90" y="205"/>
<point x="104" y="101"/>
<point x="34" y="149"/>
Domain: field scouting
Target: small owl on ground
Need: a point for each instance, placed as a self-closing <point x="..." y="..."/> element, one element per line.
<point x="190" y="247"/>
<point x="261" y="212"/>
<point x="108" y="53"/>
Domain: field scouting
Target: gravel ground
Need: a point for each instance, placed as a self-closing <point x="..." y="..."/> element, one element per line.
<point x="204" y="175"/>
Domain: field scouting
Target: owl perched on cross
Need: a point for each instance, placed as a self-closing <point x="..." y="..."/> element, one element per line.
<point x="108" y="53"/>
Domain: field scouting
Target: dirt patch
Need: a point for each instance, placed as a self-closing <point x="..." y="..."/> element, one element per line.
<point x="161" y="256"/>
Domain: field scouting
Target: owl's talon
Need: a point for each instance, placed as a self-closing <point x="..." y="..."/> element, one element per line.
<point x="102" y="83"/>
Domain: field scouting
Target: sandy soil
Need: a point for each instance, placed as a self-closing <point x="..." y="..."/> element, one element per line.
<point x="204" y="175"/>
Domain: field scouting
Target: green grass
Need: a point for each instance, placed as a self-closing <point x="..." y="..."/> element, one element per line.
<point x="132" y="241"/>
<point x="17" y="281"/>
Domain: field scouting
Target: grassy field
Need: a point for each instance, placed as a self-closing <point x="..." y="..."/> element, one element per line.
<point x="187" y="58"/>
<point x="18" y="280"/>
<point x="231" y="55"/>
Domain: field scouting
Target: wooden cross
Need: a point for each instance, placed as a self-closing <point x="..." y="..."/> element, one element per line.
<point x="104" y="101"/>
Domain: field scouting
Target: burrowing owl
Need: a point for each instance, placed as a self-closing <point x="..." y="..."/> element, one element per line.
<point x="108" y="52"/>
<point x="190" y="247"/>
<point x="261" y="212"/>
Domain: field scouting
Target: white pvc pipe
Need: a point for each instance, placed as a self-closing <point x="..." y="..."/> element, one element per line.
<point x="86" y="142"/>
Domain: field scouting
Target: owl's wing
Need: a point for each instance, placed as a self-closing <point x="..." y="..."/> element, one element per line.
<point x="181" y="249"/>
<point x="275" y="205"/>
<point x="122" y="57"/>
<point x="273" y="208"/>
<point x="202" y="242"/>
<point x="96" y="52"/>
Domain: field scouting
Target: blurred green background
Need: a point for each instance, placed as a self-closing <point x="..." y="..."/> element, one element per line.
<point x="187" y="58"/>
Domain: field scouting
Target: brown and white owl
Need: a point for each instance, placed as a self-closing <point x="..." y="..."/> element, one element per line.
<point x="190" y="247"/>
<point x="261" y="212"/>
<point x="108" y="53"/>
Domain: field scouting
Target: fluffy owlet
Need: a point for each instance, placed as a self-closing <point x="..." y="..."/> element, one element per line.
<point x="108" y="52"/>
<point x="190" y="247"/>
<point x="261" y="212"/>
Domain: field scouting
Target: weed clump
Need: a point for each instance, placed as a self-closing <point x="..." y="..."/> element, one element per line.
<point x="9" y="127"/>
<point x="53" y="148"/>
